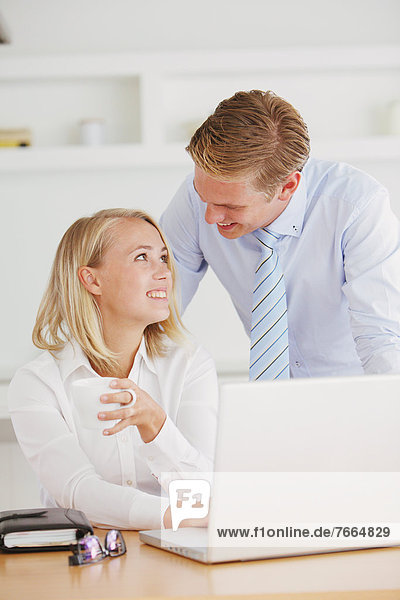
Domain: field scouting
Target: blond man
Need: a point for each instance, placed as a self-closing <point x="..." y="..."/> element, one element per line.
<point x="334" y="235"/>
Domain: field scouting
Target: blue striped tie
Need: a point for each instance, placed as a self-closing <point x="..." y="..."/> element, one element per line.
<point x="269" y="346"/>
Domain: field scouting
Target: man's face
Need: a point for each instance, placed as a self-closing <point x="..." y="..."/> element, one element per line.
<point x="234" y="206"/>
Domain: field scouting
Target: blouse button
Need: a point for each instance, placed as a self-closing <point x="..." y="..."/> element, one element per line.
<point x="129" y="482"/>
<point x="297" y="363"/>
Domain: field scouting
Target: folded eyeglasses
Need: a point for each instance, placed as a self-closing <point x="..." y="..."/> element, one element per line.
<point x="89" y="549"/>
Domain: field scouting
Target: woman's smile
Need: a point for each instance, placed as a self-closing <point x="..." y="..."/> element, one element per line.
<point x="158" y="294"/>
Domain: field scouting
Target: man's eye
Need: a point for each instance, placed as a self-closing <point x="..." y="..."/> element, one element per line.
<point x="141" y="256"/>
<point x="164" y="258"/>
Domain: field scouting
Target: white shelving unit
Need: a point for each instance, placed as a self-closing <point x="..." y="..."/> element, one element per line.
<point x="157" y="95"/>
<point x="121" y="156"/>
<point x="110" y="156"/>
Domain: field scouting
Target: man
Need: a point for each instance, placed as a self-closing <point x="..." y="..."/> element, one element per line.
<point x="309" y="250"/>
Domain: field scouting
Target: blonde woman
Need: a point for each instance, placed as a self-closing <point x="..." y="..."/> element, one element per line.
<point x="110" y="310"/>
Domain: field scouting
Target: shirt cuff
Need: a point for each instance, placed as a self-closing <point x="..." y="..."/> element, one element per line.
<point x="168" y="454"/>
<point x="168" y="443"/>
<point x="147" y="512"/>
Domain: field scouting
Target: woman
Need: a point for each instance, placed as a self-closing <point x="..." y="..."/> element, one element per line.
<point x="110" y="310"/>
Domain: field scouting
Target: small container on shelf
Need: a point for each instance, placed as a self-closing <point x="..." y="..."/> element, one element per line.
<point x="15" y="138"/>
<point x="92" y="132"/>
<point x="393" y="117"/>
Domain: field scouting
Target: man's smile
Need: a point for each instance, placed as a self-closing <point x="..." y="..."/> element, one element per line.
<point x="226" y="226"/>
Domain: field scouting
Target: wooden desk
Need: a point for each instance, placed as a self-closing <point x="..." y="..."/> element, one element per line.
<point x="146" y="572"/>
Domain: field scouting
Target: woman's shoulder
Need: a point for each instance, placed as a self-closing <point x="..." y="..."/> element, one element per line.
<point x="55" y="364"/>
<point x="42" y="372"/>
<point x="185" y="357"/>
<point x="44" y="363"/>
<point x="188" y="349"/>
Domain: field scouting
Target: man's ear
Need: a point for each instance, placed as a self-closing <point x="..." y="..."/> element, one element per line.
<point x="290" y="186"/>
<point x="88" y="278"/>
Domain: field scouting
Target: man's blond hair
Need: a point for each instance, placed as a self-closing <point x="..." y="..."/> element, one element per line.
<point x="253" y="135"/>
<point x="69" y="312"/>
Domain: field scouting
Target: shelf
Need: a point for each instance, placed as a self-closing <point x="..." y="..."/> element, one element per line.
<point x="325" y="58"/>
<point x="124" y="156"/>
<point x="372" y="148"/>
<point x="147" y="98"/>
<point x="3" y="401"/>
<point x="64" y="158"/>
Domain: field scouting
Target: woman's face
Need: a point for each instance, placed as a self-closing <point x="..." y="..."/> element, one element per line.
<point x="134" y="280"/>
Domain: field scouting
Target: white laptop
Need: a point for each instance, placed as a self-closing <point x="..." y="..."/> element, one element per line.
<point x="278" y="439"/>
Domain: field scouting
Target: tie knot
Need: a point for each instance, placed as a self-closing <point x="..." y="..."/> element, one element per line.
<point x="266" y="238"/>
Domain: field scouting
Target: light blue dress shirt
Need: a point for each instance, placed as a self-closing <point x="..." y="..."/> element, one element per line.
<point x="340" y="254"/>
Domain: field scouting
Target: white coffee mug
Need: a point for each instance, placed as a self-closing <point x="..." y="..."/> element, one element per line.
<point x="86" y="399"/>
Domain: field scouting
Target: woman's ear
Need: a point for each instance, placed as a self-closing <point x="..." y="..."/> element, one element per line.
<point x="88" y="279"/>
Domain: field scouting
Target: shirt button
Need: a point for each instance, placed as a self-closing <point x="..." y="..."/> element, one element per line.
<point x="124" y="439"/>
<point x="129" y="482"/>
<point x="151" y="458"/>
<point x="297" y="363"/>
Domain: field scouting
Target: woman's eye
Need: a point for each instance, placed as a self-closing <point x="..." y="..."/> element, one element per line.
<point x="164" y="258"/>
<point x="141" y="256"/>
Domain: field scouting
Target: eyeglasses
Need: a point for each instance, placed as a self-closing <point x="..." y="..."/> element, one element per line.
<point x="90" y="550"/>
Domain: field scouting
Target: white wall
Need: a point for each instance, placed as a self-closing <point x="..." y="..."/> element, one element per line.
<point x="121" y="25"/>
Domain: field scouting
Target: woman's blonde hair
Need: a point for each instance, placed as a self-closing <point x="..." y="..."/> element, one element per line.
<point x="254" y="135"/>
<point x="68" y="311"/>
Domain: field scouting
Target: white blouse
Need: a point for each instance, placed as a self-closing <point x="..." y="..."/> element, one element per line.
<point x="114" y="480"/>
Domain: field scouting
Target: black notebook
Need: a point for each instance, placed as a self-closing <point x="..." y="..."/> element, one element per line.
<point x="41" y="529"/>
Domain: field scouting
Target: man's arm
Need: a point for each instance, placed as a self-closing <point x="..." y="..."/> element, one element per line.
<point x="180" y="222"/>
<point x="371" y="253"/>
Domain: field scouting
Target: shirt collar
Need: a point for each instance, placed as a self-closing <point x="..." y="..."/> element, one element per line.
<point x="143" y="353"/>
<point x="72" y="357"/>
<point x="290" y="222"/>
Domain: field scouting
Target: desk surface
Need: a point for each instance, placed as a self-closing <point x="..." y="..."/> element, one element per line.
<point x="150" y="573"/>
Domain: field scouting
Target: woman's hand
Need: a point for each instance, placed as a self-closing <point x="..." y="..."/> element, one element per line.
<point x="167" y="521"/>
<point x="145" y="413"/>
